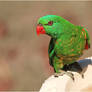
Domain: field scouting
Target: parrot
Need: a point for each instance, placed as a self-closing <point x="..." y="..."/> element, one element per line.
<point x="67" y="44"/>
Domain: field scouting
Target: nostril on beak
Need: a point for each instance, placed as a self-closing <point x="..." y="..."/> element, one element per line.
<point x="39" y="25"/>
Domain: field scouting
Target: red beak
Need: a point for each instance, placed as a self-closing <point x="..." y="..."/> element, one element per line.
<point x="40" y="30"/>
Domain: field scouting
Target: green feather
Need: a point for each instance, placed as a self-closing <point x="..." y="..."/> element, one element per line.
<point x="67" y="40"/>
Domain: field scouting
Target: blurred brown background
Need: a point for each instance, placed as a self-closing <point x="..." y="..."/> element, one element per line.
<point x="24" y="56"/>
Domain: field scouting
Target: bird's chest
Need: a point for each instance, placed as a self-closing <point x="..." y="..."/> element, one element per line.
<point x="63" y="44"/>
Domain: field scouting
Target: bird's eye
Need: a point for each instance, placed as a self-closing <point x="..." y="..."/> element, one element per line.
<point x="50" y="23"/>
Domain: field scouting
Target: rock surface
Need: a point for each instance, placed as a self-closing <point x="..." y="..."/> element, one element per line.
<point x="66" y="84"/>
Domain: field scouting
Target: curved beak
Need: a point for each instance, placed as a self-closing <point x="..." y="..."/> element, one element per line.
<point x="40" y="29"/>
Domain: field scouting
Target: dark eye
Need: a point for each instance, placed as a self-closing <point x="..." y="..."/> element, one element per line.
<point x="50" y="23"/>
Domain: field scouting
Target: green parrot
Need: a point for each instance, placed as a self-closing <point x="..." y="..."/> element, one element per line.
<point x="68" y="41"/>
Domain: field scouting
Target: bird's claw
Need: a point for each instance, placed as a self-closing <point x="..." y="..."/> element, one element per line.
<point x="82" y="75"/>
<point x="59" y="74"/>
<point x="71" y="75"/>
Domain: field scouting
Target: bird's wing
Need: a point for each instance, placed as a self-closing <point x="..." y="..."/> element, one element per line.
<point x="51" y="51"/>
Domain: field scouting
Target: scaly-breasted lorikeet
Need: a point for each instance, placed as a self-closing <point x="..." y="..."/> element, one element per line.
<point x="68" y="41"/>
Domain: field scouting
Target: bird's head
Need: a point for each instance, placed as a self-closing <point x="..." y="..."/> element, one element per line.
<point x="50" y="25"/>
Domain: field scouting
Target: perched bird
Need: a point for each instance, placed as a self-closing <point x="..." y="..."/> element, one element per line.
<point x="68" y="41"/>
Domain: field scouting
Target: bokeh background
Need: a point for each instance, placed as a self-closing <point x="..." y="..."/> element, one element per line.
<point x="24" y="63"/>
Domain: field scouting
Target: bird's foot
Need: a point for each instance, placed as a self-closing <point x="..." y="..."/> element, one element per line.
<point x="61" y="73"/>
<point x="75" y="67"/>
